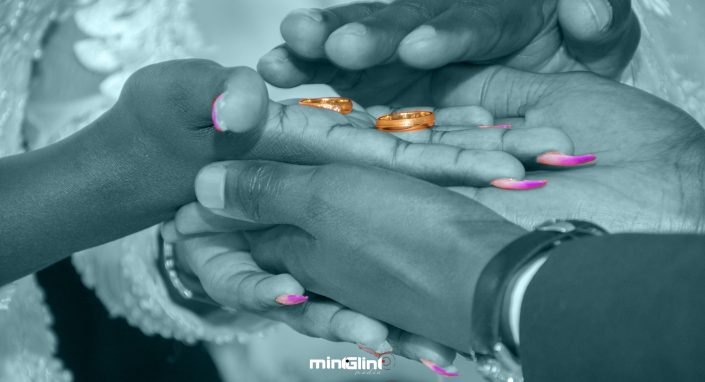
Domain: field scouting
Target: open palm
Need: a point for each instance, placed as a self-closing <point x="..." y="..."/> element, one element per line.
<point x="650" y="170"/>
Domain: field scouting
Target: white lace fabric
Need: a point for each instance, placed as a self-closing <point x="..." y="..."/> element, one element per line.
<point x="26" y="343"/>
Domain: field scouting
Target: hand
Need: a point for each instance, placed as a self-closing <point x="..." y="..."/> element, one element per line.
<point x="379" y="54"/>
<point x="209" y="247"/>
<point x="651" y="154"/>
<point x="393" y="247"/>
<point x="456" y="152"/>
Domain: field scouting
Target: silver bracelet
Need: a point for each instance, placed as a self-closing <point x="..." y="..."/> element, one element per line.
<point x="169" y="264"/>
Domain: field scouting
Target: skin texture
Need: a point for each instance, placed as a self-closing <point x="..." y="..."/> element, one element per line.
<point x="120" y="166"/>
<point x="385" y="54"/>
<point x="136" y="164"/>
<point x="333" y="221"/>
<point x="231" y="277"/>
<point x="650" y="153"/>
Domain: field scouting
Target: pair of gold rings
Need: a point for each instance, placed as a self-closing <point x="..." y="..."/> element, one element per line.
<point x="397" y="122"/>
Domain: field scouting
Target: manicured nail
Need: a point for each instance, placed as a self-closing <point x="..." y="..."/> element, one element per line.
<point x="502" y="126"/>
<point x="420" y="34"/>
<point x="564" y="160"/>
<point x="601" y="11"/>
<point x="218" y="104"/>
<point x="355" y="29"/>
<point x="377" y="351"/>
<point x="210" y="186"/>
<point x="450" y="371"/>
<point x="291" y="299"/>
<point x="311" y="13"/>
<point x="512" y="184"/>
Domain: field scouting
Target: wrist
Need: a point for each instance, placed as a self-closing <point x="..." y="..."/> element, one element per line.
<point x="500" y="291"/>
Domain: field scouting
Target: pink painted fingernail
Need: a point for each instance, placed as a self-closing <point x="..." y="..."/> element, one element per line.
<point x="217" y="104"/>
<point x="502" y="126"/>
<point x="559" y="159"/>
<point x="377" y="351"/>
<point x="512" y="184"/>
<point x="291" y="299"/>
<point x="451" y="371"/>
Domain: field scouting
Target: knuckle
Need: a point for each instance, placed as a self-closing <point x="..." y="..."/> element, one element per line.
<point x="254" y="182"/>
<point x="172" y="83"/>
<point x="419" y="9"/>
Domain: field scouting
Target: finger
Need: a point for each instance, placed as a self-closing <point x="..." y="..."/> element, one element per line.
<point x="306" y="30"/>
<point x="281" y="68"/>
<point x="524" y="144"/>
<point x="188" y="101"/>
<point x="193" y="219"/>
<point x="323" y="318"/>
<point x="464" y="116"/>
<point x="232" y="278"/>
<point x="421" y="349"/>
<point x="373" y="40"/>
<point x="601" y="34"/>
<point x="329" y="138"/>
<point x="504" y="92"/>
<point x="359" y="117"/>
<point x="472" y="31"/>
<point x="241" y="111"/>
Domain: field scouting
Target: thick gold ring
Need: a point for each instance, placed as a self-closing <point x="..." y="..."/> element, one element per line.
<point x="337" y="104"/>
<point x="405" y="121"/>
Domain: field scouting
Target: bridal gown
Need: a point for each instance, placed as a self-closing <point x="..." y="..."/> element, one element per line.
<point x="123" y="35"/>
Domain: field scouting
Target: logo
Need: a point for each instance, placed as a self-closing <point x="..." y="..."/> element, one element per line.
<point x="358" y="365"/>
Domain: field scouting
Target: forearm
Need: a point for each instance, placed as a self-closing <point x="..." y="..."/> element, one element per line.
<point x="93" y="187"/>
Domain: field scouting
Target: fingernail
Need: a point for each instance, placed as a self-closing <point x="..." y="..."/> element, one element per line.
<point x="420" y="34"/>
<point x="291" y="299"/>
<point x="512" y="184"/>
<point x="210" y="186"/>
<point x="378" y="350"/>
<point x="355" y="29"/>
<point x="311" y="13"/>
<point x="276" y="55"/>
<point x="601" y="13"/>
<point x="169" y="232"/>
<point x="218" y="104"/>
<point x="559" y="159"/>
<point x="450" y="371"/>
<point x="502" y="126"/>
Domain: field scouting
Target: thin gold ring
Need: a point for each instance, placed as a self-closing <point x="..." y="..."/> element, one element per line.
<point x="405" y="121"/>
<point x="338" y="104"/>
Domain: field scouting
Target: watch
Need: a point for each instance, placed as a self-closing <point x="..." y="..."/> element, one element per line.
<point x="493" y="348"/>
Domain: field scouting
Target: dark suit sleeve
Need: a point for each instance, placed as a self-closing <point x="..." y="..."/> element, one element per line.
<point x="617" y="308"/>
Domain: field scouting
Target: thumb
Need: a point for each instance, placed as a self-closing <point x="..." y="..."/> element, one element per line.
<point x="504" y="92"/>
<point x="241" y="111"/>
<point x="601" y="34"/>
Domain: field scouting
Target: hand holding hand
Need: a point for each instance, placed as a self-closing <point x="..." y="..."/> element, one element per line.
<point x="394" y="247"/>
<point x="209" y="247"/>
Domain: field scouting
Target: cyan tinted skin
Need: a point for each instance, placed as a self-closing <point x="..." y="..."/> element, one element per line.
<point x="128" y="170"/>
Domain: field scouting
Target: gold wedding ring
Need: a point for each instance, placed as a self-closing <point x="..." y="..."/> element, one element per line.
<point x="337" y="104"/>
<point x="405" y="121"/>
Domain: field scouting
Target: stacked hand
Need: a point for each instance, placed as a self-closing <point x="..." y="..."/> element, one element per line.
<point x="407" y="252"/>
<point x="318" y="223"/>
<point x="382" y="54"/>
